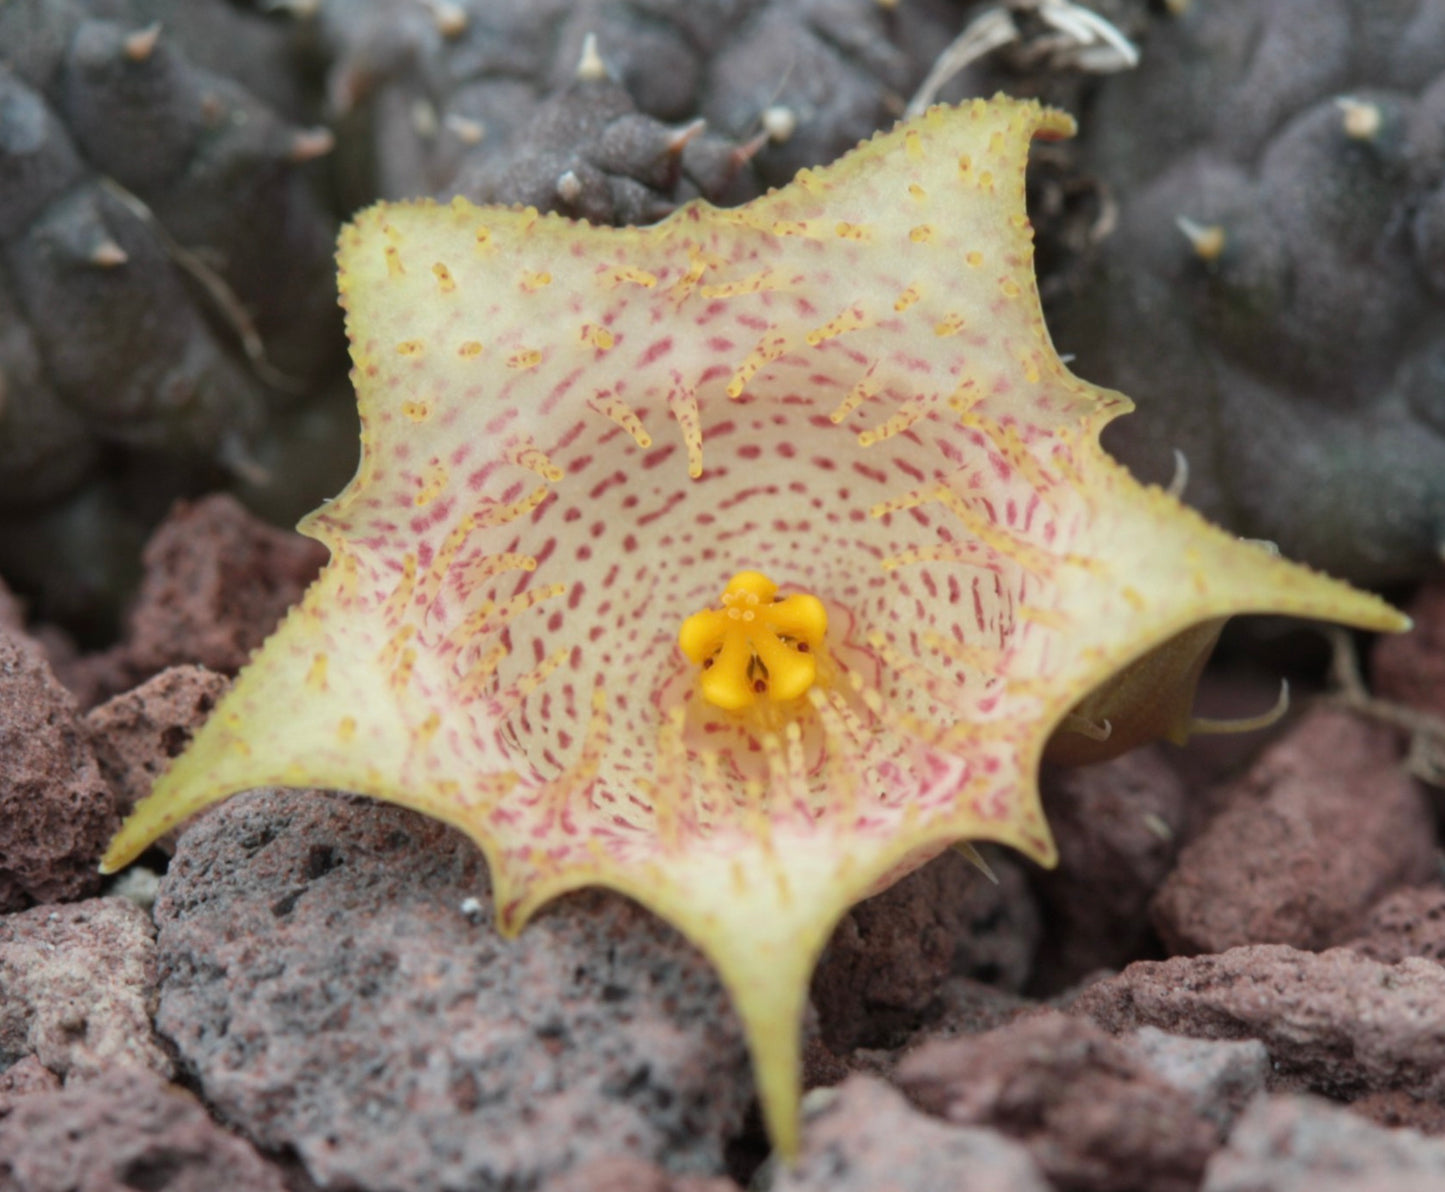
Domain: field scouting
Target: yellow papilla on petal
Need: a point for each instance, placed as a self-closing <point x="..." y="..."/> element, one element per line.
<point x="806" y="395"/>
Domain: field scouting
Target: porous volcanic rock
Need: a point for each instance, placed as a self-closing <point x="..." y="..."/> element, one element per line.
<point x="967" y="1007"/>
<point x="863" y="1136"/>
<point x="25" y="1078"/>
<point x="621" y="1173"/>
<point x="1409" y="668"/>
<point x="1293" y="1143"/>
<point x="1409" y="922"/>
<point x="217" y="580"/>
<point x="136" y="734"/>
<point x="1219" y="1076"/>
<point x="78" y="988"/>
<point x="1091" y="1112"/>
<point x="126" y="1131"/>
<point x="56" y="812"/>
<point x="336" y="989"/>
<point x="1394" y="1109"/>
<point x="881" y="975"/>
<point x="1334" y="1022"/>
<point x="1118" y="827"/>
<point x="1321" y="827"/>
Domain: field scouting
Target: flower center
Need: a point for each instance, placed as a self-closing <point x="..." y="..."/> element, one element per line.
<point x="758" y="645"/>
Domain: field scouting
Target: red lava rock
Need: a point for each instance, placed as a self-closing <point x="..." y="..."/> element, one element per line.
<point x="881" y="974"/>
<point x="1409" y="668"/>
<point x="1322" y="826"/>
<point x="1089" y="1110"/>
<point x="78" y="988"/>
<point x="23" y="1078"/>
<point x="1408" y="922"/>
<point x="1219" y="1077"/>
<point x="864" y="1137"/>
<point x="127" y="1130"/>
<point x="624" y="1174"/>
<point x="1302" y="1144"/>
<point x="1117" y="826"/>
<point x="217" y="580"/>
<point x="56" y="812"/>
<point x="968" y="1007"/>
<point x="1395" y="1110"/>
<point x="332" y="991"/>
<point x="136" y="735"/>
<point x="1335" y="1022"/>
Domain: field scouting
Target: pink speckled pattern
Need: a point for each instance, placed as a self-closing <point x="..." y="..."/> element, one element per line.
<point x="573" y="437"/>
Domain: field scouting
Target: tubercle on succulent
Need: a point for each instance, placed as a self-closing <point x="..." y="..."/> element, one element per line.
<point x="845" y="387"/>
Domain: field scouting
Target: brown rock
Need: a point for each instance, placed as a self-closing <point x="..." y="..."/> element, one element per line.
<point x="1322" y="826"/>
<point x="1396" y="1110"/>
<point x="864" y="1137"/>
<point x="56" y="812"/>
<point x="621" y="1173"/>
<point x="881" y="974"/>
<point x="332" y="988"/>
<point x="124" y="1131"/>
<point x="136" y="735"/>
<point x="1335" y="1022"/>
<point x="78" y="988"/>
<point x="1302" y="1144"/>
<point x="968" y="1007"/>
<point x="1219" y="1076"/>
<point x="1089" y="1110"/>
<point x="1409" y="668"/>
<point x="22" y="1079"/>
<point x="217" y="580"/>
<point x="1118" y="827"/>
<point x="1409" y="922"/>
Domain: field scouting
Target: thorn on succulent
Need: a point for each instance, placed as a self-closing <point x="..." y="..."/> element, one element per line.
<point x="236" y="456"/>
<point x="450" y="18"/>
<point x="1360" y="119"/>
<point x="779" y="122"/>
<point x="464" y="128"/>
<point x="140" y="44"/>
<point x="301" y="9"/>
<point x="569" y="186"/>
<point x="685" y="135"/>
<point x="590" y="67"/>
<point x="308" y="144"/>
<point x="1207" y="240"/>
<point x="749" y="149"/>
<point x="424" y="119"/>
<point x="108" y="255"/>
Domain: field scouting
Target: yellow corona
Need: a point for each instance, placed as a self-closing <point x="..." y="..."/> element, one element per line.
<point x="759" y="646"/>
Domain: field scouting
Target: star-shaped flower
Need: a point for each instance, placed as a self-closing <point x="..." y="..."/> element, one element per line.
<point x="738" y="563"/>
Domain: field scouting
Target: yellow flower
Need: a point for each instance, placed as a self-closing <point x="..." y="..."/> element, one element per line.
<point x="737" y="563"/>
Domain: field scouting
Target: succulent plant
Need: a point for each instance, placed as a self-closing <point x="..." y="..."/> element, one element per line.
<point x="164" y="264"/>
<point x="484" y="99"/>
<point x="1273" y="293"/>
<point x="740" y="563"/>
